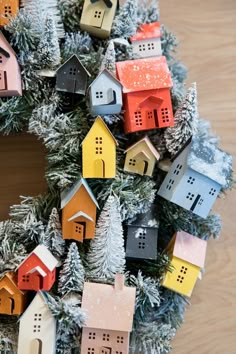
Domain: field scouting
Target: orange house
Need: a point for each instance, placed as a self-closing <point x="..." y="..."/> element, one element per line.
<point x="146" y="88"/>
<point x="12" y="300"/>
<point x="79" y="208"/>
<point x="8" y="9"/>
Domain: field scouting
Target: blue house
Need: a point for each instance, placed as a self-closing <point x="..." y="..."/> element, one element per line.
<point x="196" y="176"/>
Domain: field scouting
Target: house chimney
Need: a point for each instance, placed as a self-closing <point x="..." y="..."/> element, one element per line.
<point x="119" y="282"/>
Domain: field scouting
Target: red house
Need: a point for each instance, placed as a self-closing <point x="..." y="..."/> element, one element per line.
<point x="38" y="270"/>
<point x="146" y="88"/>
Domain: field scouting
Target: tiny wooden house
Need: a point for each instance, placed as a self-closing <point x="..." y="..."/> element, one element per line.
<point x="147" y="41"/>
<point x="146" y="88"/>
<point x="142" y="237"/>
<point x="79" y="208"/>
<point x="72" y="76"/>
<point x="38" y="270"/>
<point x="110" y="311"/>
<point x="37" y="332"/>
<point x="10" y="76"/>
<point x="105" y="94"/>
<point x="8" y="10"/>
<point x="141" y="157"/>
<point x="97" y="17"/>
<point x="196" y="176"/>
<point x="99" y="152"/>
<point x="187" y="254"/>
<point x="12" y="299"/>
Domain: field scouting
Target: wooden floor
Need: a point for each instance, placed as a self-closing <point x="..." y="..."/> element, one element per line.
<point x="207" y="32"/>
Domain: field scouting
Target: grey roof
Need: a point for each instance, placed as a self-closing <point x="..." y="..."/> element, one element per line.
<point x="79" y="62"/>
<point x="107" y="74"/>
<point x="66" y="195"/>
<point x="207" y="159"/>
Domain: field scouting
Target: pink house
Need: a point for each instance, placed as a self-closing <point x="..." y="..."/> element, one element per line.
<point x="109" y="317"/>
<point x="10" y="76"/>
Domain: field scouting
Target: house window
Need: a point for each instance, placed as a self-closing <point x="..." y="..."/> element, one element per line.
<point x="0" y="58"/>
<point x="138" y="118"/>
<point x="212" y="191"/>
<point x="120" y="339"/>
<point x="106" y="337"/>
<point x="200" y="201"/>
<point x="97" y="14"/>
<point x="191" y="180"/>
<point x="92" y="335"/>
<point x="7" y="11"/>
<point x="170" y="184"/>
<point x="151" y="46"/>
<point x="91" y="351"/>
<point x="25" y="278"/>
<point x="37" y="322"/>
<point x="150" y="115"/>
<point x="180" y="279"/>
<point x="183" y="270"/>
<point x="98" y="142"/>
<point x="190" y="196"/>
<point x="99" y="94"/>
<point x="165" y="115"/>
<point x="142" y="47"/>
<point x="132" y="162"/>
<point x="72" y="71"/>
<point x="177" y="169"/>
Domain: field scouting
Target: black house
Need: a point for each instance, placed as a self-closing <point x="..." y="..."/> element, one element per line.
<point x="72" y="76"/>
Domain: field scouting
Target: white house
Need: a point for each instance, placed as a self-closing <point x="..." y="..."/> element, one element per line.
<point x="147" y="40"/>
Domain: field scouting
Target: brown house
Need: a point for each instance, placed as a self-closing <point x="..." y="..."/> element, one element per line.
<point x="109" y="317"/>
<point x="79" y="208"/>
<point x="8" y="9"/>
<point x="12" y="300"/>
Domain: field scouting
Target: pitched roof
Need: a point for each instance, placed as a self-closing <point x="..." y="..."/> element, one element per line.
<point x="144" y="74"/>
<point x="80" y="213"/>
<point x="190" y="248"/>
<point x="68" y="194"/>
<point x="105" y="307"/>
<point x="12" y="278"/>
<point x="108" y="74"/>
<point x="149" y="145"/>
<point x="147" y="31"/>
<point x="45" y="256"/>
<point x="79" y="62"/>
<point x="99" y="119"/>
<point x="205" y="158"/>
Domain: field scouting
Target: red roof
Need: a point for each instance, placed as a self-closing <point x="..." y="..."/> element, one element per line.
<point x="147" y="31"/>
<point x="144" y="74"/>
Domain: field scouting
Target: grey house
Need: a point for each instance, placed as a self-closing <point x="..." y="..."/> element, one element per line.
<point x="105" y="94"/>
<point x="196" y="176"/>
<point x="142" y="236"/>
<point x="72" y="76"/>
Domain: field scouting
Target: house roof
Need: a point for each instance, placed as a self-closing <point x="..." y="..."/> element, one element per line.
<point x="107" y="307"/>
<point x="148" y="219"/>
<point x="205" y="158"/>
<point x="144" y="74"/>
<point x="80" y="213"/>
<point x="99" y="119"/>
<point x="79" y="62"/>
<point x="42" y="296"/>
<point x="147" y="141"/>
<point x="68" y="194"/>
<point x="12" y="278"/>
<point x="38" y="270"/>
<point x="147" y="31"/>
<point x="190" y="248"/>
<point x="108" y="74"/>
<point x="45" y="256"/>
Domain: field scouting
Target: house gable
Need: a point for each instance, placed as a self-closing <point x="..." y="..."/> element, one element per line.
<point x="99" y="128"/>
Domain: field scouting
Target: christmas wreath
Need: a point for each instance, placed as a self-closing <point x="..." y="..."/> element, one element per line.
<point x="128" y="240"/>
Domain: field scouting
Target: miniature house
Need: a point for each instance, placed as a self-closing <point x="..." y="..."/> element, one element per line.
<point x="72" y="76"/>
<point x="109" y="311"/>
<point x="105" y="94"/>
<point x="79" y="208"/>
<point x="187" y="254"/>
<point x="196" y="176"/>
<point x="142" y="237"/>
<point x="10" y="76"/>
<point x="38" y="270"/>
<point x="146" y="88"/>
<point x="8" y="10"/>
<point x="97" y="17"/>
<point x="37" y="332"/>
<point x="141" y="157"/>
<point x="147" y="41"/>
<point x="12" y="300"/>
<point x="99" y="152"/>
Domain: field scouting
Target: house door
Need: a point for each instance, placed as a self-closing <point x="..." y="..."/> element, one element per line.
<point x="97" y="16"/>
<point x="195" y="202"/>
<point x="105" y="350"/>
<point x="79" y="231"/>
<point x="3" y="80"/>
<point x="99" y="168"/>
<point x="156" y="118"/>
<point x="36" y="346"/>
<point x="143" y="167"/>
<point x="12" y="304"/>
<point x="39" y="281"/>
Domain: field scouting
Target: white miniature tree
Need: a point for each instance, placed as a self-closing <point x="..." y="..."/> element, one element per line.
<point x="53" y="235"/>
<point x="126" y="22"/>
<point x="186" y="122"/>
<point x="72" y="274"/>
<point x="109" y="60"/>
<point x="106" y="256"/>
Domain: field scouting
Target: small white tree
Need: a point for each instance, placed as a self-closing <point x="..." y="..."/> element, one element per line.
<point x="106" y="256"/>
<point x="109" y="60"/>
<point x="53" y="235"/>
<point x="126" y="22"/>
<point x="72" y="274"/>
<point x="186" y="122"/>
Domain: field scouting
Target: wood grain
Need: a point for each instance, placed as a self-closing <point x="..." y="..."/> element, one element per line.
<point x="207" y="32"/>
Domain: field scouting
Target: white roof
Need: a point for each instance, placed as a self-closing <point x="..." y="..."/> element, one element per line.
<point x="107" y="73"/>
<point x="45" y="256"/>
<point x="37" y="269"/>
<point x="80" y="213"/>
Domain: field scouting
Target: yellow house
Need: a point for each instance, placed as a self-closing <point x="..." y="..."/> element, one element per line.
<point x="187" y="254"/>
<point x="141" y="157"/>
<point x="8" y="10"/>
<point x="99" y="152"/>
<point x="97" y="17"/>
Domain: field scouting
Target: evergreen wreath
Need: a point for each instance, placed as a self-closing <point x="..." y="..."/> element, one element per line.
<point x="44" y="35"/>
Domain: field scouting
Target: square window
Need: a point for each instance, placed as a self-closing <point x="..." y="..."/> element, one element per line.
<point x="132" y="162"/>
<point x="106" y="337"/>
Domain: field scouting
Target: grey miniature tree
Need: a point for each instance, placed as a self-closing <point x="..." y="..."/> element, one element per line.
<point x="106" y="256"/>
<point x="109" y="60"/>
<point x="53" y="235"/>
<point x="72" y="274"/>
<point x="186" y="122"/>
